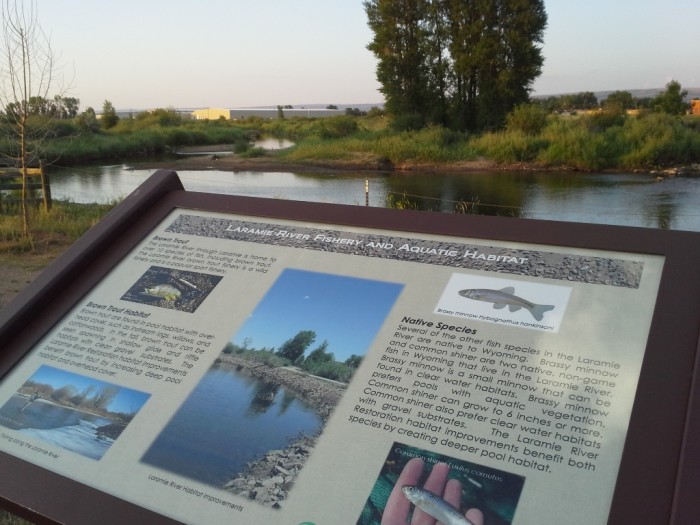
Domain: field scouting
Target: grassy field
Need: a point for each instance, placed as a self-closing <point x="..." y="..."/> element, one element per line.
<point x="63" y="224"/>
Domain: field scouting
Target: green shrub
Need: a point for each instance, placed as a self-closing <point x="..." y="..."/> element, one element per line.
<point x="658" y="139"/>
<point x="509" y="147"/>
<point x="606" y="118"/>
<point x="332" y="370"/>
<point x="409" y="122"/>
<point x="338" y="127"/>
<point x="529" y="119"/>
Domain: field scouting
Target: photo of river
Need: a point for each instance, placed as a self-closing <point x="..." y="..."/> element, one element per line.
<point x="71" y="411"/>
<point x="69" y="429"/>
<point x="229" y="420"/>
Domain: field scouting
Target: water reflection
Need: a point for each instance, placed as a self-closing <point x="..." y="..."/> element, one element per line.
<point x="623" y="199"/>
<point x="205" y="440"/>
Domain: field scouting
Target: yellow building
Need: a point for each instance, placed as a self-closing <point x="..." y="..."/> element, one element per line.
<point x="695" y="106"/>
<point x="211" y="114"/>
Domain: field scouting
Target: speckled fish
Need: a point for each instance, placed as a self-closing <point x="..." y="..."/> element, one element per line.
<point x="432" y="504"/>
<point x="163" y="291"/>
<point x="506" y="297"/>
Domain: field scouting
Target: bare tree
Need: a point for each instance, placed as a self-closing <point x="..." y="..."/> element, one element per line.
<point x="27" y="69"/>
<point x="104" y="397"/>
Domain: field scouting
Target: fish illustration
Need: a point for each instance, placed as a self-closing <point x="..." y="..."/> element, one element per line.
<point x="506" y="297"/>
<point x="434" y="505"/>
<point x="163" y="291"/>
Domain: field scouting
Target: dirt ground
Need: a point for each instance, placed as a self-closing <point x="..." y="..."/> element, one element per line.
<point x="17" y="271"/>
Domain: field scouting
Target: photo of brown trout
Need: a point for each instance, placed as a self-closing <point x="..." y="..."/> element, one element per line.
<point x="506" y="297"/>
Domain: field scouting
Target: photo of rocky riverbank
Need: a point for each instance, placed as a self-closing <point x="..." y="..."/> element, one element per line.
<point x="318" y="392"/>
<point x="268" y="480"/>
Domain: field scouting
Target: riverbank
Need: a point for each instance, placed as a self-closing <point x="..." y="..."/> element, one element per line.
<point x="321" y="394"/>
<point x="205" y="158"/>
<point x="269" y="479"/>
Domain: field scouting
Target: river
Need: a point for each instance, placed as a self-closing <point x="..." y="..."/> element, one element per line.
<point x="622" y="199"/>
<point x="229" y="420"/>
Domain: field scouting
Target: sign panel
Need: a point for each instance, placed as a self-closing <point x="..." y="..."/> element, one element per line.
<point x="238" y="367"/>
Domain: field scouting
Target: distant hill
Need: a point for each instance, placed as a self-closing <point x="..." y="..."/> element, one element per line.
<point x="693" y="92"/>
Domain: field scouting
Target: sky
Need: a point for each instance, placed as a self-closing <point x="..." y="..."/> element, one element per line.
<point x="233" y="53"/>
<point x="346" y="312"/>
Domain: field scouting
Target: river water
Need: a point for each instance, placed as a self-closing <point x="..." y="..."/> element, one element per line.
<point x="64" y="427"/>
<point x="229" y="420"/>
<point x="622" y="199"/>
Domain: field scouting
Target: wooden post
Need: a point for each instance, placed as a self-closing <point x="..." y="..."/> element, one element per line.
<point x="45" y="188"/>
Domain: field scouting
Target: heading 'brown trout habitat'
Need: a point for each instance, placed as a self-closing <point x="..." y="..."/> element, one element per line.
<point x="505" y="297"/>
<point x="434" y="505"/>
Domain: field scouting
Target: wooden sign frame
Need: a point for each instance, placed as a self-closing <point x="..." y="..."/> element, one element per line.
<point x="660" y="465"/>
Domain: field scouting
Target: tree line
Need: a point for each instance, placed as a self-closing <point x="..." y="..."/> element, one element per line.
<point x="319" y="361"/>
<point x="671" y="101"/>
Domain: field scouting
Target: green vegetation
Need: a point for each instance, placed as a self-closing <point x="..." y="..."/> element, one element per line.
<point x="150" y="133"/>
<point x="548" y="133"/>
<point x="62" y="225"/>
<point x="319" y="362"/>
<point x="597" y="142"/>
<point x="605" y="139"/>
<point x="568" y="132"/>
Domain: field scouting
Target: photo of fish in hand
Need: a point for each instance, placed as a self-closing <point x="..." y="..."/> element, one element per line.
<point x="438" y="508"/>
<point x="506" y="297"/>
<point x="420" y="487"/>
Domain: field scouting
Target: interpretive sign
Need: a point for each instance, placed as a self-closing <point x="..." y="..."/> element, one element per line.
<point x="216" y="359"/>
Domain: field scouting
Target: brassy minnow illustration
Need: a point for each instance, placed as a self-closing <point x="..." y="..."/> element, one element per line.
<point x="506" y="297"/>
<point x="434" y="505"/>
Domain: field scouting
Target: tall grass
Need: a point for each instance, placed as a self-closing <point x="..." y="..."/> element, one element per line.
<point x="64" y="224"/>
<point x="136" y="138"/>
<point x="595" y="143"/>
<point x="590" y="142"/>
<point x="430" y="145"/>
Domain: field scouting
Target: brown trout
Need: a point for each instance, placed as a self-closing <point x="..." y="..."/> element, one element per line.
<point x="163" y="291"/>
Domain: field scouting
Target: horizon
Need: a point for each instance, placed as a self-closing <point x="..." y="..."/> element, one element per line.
<point x="692" y="92"/>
